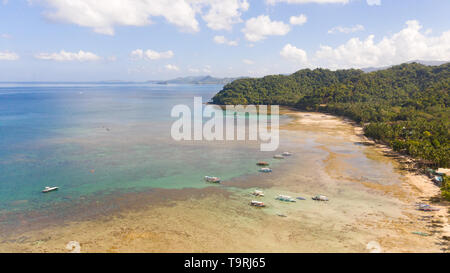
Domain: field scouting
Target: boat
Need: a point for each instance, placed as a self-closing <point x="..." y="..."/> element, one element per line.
<point x="265" y="170"/>
<point x="278" y="156"/>
<point x="301" y="198"/>
<point x="258" y="193"/>
<point x="320" y="198"/>
<point x="49" y="189"/>
<point x="427" y="208"/>
<point x="286" y="154"/>
<point x="212" y="179"/>
<point x="262" y="163"/>
<point x="285" y="198"/>
<point x="257" y="204"/>
<point x="281" y="215"/>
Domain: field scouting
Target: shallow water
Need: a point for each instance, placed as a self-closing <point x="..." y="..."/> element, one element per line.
<point x="97" y="140"/>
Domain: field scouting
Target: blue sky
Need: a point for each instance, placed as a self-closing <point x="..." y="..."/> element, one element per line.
<point x="138" y="40"/>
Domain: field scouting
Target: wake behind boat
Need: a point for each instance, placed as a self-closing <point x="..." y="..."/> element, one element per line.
<point x="49" y="189"/>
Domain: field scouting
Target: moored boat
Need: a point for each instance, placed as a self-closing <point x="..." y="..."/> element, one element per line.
<point x="265" y="170"/>
<point x="258" y="193"/>
<point x="49" y="189"/>
<point x="257" y="204"/>
<point x="278" y="157"/>
<point x="320" y="198"/>
<point x="262" y="163"/>
<point x="212" y="179"/>
<point x="286" y="154"/>
<point x="285" y="198"/>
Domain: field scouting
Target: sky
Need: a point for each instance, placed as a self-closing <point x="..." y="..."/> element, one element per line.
<point x="140" y="40"/>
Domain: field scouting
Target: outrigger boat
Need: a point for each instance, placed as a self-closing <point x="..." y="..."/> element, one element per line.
<point x="262" y="163"/>
<point x="257" y="204"/>
<point x="258" y="193"/>
<point x="212" y="179"/>
<point x="320" y="198"/>
<point x="286" y="154"/>
<point x="265" y="170"/>
<point x="285" y="198"/>
<point x="49" y="189"/>
<point x="278" y="156"/>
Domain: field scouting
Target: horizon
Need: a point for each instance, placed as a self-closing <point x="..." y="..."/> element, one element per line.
<point x="48" y="40"/>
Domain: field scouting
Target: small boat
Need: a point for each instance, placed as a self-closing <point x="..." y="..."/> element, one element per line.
<point x="301" y="198"/>
<point x="49" y="189"/>
<point x="286" y="154"/>
<point x="428" y="208"/>
<point x="281" y="215"/>
<point x="320" y="198"/>
<point x="278" y="156"/>
<point x="262" y="163"/>
<point x="257" y="204"/>
<point x="212" y="179"/>
<point x="285" y="198"/>
<point x="258" y="193"/>
<point x="265" y="170"/>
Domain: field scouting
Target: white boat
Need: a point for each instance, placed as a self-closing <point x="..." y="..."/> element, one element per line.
<point x="265" y="170"/>
<point x="257" y="204"/>
<point x="278" y="156"/>
<point x="49" y="189"/>
<point x="285" y="198"/>
<point x="258" y="193"/>
<point x="320" y="198"/>
<point x="212" y="179"/>
<point x="286" y="154"/>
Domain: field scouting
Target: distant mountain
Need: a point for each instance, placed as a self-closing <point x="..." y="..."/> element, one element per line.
<point x="429" y="63"/>
<point x="197" y="80"/>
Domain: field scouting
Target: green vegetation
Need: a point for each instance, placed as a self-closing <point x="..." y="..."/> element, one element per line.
<point x="406" y="106"/>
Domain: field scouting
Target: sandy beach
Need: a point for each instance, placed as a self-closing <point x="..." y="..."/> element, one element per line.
<point x="371" y="208"/>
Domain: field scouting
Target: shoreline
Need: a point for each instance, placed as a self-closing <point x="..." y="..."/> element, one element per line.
<point x="218" y="219"/>
<point x="424" y="189"/>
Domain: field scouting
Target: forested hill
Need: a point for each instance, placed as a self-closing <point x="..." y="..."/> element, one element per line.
<point x="405" y="106"/>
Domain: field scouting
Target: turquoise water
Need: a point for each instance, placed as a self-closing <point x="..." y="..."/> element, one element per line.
<point x="95" y="140"/>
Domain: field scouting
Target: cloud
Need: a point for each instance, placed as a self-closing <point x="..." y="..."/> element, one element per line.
<point x="273" y="2"/>
<point x="222" y="14"/>
<point x="104" y="15"/>
<point x="151" y="54"/>
<point x="5" y="36"/>
<point x="298" y="20"/>
<point x="408" y="44"/>
<point x="294" y="54"/>
<point x="346" y="29"/>
<point x="247" y="61"/>
<point x="258" y="28"/>
<point x="172" y="67"/>
<point x="223" y="40"/>
<point x="373" y="2"/>
<point x="8" y="56"/>
<point x="64" y="56"/>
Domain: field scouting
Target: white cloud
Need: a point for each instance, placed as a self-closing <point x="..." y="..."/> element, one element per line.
<point x="172" y="67"/>
<point x="223" y="40"/>
<point x="346" y="29"/>
<point x="104" y="15"/>
<point x="258" y="28"/>
<point x="247" y="61"/>
<point x="273" y="2"/>
<point x="298" y="20"/>
<point x="406" y="45"/>
<point x="151" y="54"/>
<point x="222" y="14"/>
<point x="5" y="36"/>
<point x="8" y="56"/>
<point x="373" y="2"/>
<point x="294" y="54"/>
<point x="64" y="56"/>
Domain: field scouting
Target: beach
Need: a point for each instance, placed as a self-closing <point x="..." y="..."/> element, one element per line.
<point x="371" y="208"/>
